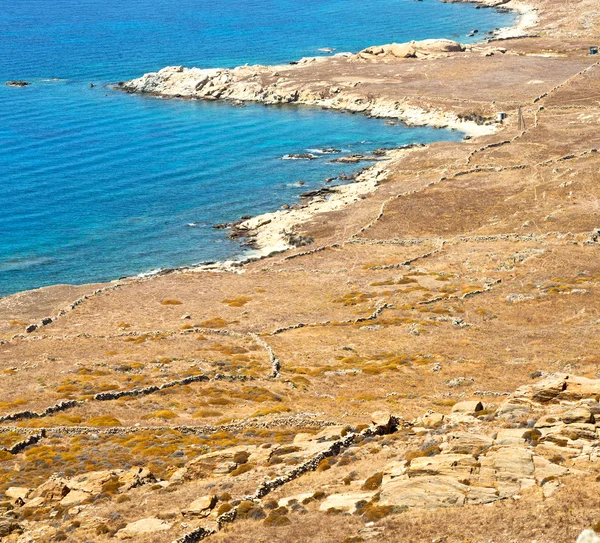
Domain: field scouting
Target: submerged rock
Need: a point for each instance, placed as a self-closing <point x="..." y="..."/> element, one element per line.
<point x="17" y="83"/>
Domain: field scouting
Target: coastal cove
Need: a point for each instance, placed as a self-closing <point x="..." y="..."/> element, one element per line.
<point x="99" y="185"/>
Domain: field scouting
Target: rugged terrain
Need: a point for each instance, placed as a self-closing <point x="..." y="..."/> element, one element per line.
<point x="423" y="368"/>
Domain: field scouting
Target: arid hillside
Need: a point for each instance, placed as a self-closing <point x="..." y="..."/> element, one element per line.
<point x="423" y="366"/>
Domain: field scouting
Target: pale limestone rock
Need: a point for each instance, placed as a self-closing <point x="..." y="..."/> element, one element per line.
<point x="75" y="497"/>
<point x="512" y="463"/>
<point x="402" y="50"/>
<point x="438" y="46"/>
<point x="588" y="536"/>
<point x="330" y="433"/>
<point x="284" y="502"/>
<point x="432" y="420"/>
<point x="481" y="495"/>
<point x="91" y="482"/>
<point x="200" y="507"/>
<point x="220" y="463"/>
<point x="515" y="408"/>
<point x="550" y="450"/>
<point x="547" y="421"/>
<point x="456" y="465"/>
<point x="427" y="492"/>
<point x="303" y="437"/>
<point x="577" y="431"/>
<point x="40" y="534"/>
<point x="515" y="436"/>
<point x="135" y="477"/>
<point x="54" y="488"/>
<point x="394" y="469"/>
<point x="465" y="443"/>
<point x="565" y="387"/>
<point x="467" y="408"/>
<point x="179" y="475"/>
<point x="382" y="418"/>
<point x="578" y="415"/>
<point x="544" y="469"/>
<point x="550" y="488"/>
<point x="38" y="501"/>
<point x="18" y="492"/>
<point x="345" y="502"/>
<point x="143" y="526"/>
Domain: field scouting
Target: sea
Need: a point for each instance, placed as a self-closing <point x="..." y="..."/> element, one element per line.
<point x="96" y="184"/>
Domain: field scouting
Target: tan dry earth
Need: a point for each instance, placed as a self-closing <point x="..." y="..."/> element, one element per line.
<point x="433" y="290"/>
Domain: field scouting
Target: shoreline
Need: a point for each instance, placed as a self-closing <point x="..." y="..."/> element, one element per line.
<point x="269" y="230"/>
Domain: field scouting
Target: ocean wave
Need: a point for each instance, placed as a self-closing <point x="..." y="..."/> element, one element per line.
<point x="300" y="156"/>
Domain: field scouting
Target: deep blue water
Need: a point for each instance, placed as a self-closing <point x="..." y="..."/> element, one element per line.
<point x="95" y="184"/>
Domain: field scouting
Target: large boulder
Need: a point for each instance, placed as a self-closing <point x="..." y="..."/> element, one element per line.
<point x="439" y="46"/>
<point x="75" y="497"/>
<point x="466" y="443"/>
<point x="200" y="507"/>
<point x="467" y="408"/>
<point x="91" y="483"/>
<point x="402" y="50"/>
<point x="54" y="489"/>
<point x="345" y="502"/>
<point x="588" y="536"/>
<point x="18" y="493"/>
<point x="135" y="477"/>
<point x="142" y="527"/>
<point x="578" y="415"/>
<point x="426" y="492"/>
<point x="457" y="465"/>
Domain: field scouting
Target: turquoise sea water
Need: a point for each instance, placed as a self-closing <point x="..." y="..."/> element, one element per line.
<point x="96" y="184"/>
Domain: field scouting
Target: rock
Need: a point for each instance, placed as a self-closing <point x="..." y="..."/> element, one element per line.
<point x="143" y="526"/>
<point x="465" y="443"/>
<point x="456" y="465"/>
<point x="588" y="536"/>
<point x="402" y="50"/>
<point x="467" y="408"/>
<point x="438" y="46"/>
<point x="179" y="475"/>
<point x="345" y="502"/>
<point x="382" y="419"/>
<point x="18" y="492"/>
<point x="580" y="431"/>
<point x="579" y="414"/>
<point x="200" y="507"/>
<point x="54" y="488"/>
<point x="91" y="482"/>
<point x="516" y="436"/>
<point x="431" y="419"/>
<point x="17" y="83"/>
<point x="552" y="450"/>
<point x="544" y="469"/>
<point x="284" y="502"/>
<point x="426" y="492"/>
<point x="38" y="501"/>
<point x="135" y="477"/>
<point x="8" y="527"/>
<point x="550" y="488"/>
<point x="75" y="497"/>
<point x="548" y="421"/>
<point x="565" y="387"/>
<point x="219" y="463"/>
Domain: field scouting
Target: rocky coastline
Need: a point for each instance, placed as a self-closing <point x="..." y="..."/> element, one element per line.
<point x="270" y="233"/>
<point x="421" y="364"/>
